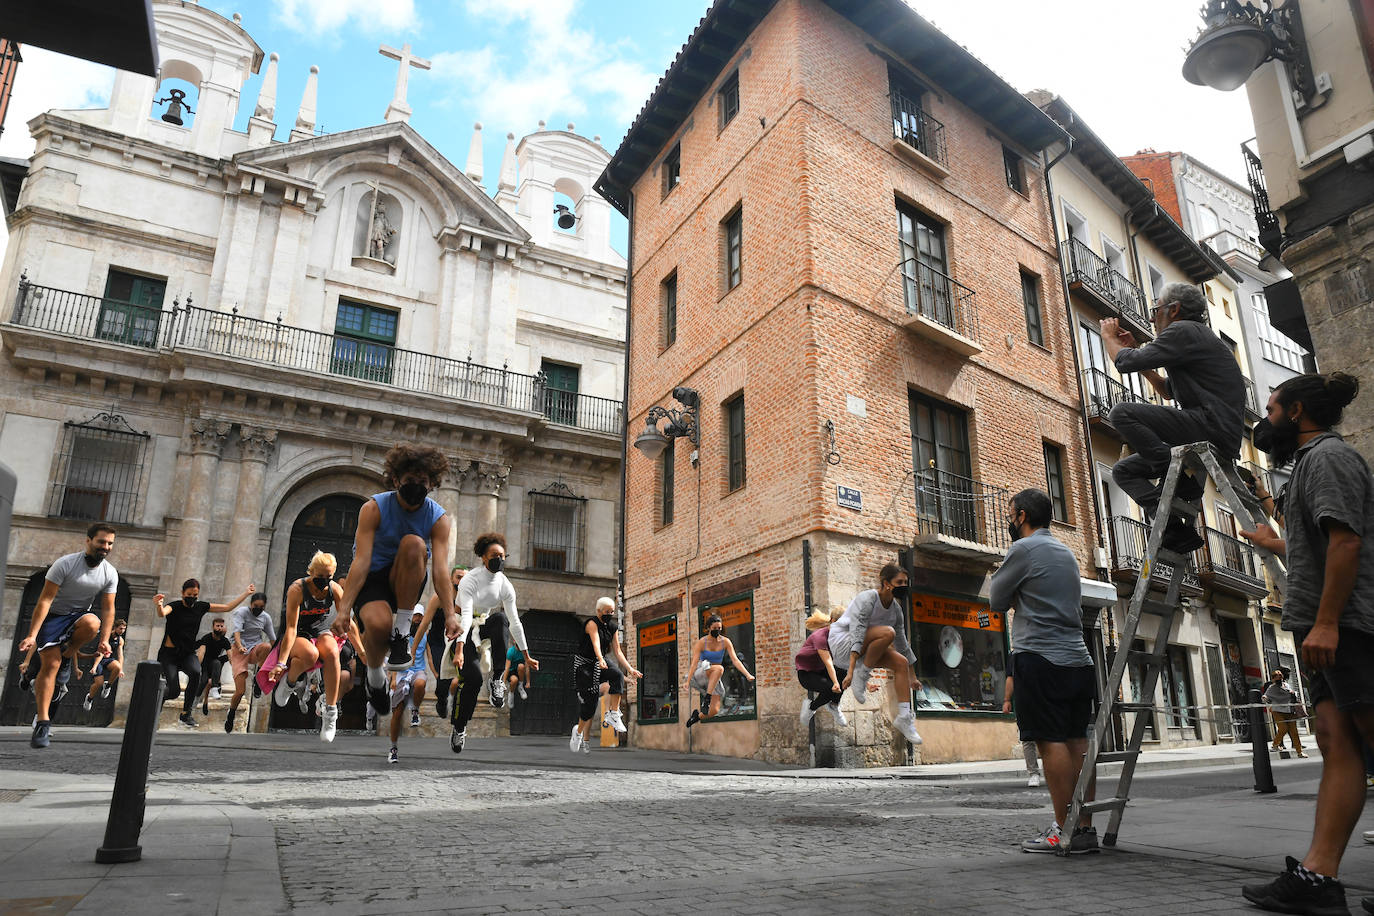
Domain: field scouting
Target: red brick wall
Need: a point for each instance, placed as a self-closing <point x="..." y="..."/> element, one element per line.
<point x="1157" y="169"/>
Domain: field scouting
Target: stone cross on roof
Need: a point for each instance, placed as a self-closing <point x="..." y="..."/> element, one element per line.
<point x="398" y="110"/>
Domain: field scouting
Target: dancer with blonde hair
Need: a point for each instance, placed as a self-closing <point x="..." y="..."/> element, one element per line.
<point x="308" y="642"/>
<point x="816" y="669"/>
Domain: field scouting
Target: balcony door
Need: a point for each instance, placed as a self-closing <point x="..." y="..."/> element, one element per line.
<point x="1096" y="382"/>
<point x="943" y="469"/>
<point x="560" y="392"/>
<point x="364" y="342"/>
<point x="131" y="310"/>
<point x="924" y="268"/>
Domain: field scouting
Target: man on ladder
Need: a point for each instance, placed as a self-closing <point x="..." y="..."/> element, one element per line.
<point x="1204" y="381"/>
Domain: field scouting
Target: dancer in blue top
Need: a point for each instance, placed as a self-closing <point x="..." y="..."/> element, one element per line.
<point x="398" y="532"/>
<point x="707" y="669"/>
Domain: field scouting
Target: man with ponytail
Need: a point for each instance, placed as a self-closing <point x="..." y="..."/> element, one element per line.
<point x="1329" y="607"/>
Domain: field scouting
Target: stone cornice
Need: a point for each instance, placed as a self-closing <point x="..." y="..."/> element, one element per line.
<point x="85" y="223"/>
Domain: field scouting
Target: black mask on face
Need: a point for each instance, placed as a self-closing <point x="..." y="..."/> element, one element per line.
<point x="716" y="631"/>
<point x="320" y="582"/>
<point x="900" y="591"/>
<point x="413" y="493"/>
<point x="257" y="609"/>
<point x="496" y="564"/>
<point x="1280" y="440"/>
<point x="1014" y="530"/>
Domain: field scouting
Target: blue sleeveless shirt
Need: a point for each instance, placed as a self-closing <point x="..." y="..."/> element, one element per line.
<point x="396" y="523"/>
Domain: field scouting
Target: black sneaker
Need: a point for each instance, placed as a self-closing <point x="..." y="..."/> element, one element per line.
<point x="393" y="756"/>
<point x="205" y="707"/>
<point x="379" y="697"/>
<point x="496" y="693"/>
<point x="1290" y="893"/>
<point x="229" y="721"/>
<point x="188" y="720"/>
<point x="257" y="689"/>
<point x="1189" y="488"/>
<point x="399" y="659"/>
<point x="457" y="740"/>
<point x="1180" y="536"/>
<point x="694" y="718"/>
<point x="1083" y="841"/>
<point x="42" y="734"/>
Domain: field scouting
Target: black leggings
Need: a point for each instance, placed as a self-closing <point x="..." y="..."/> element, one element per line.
<point x="173" y="662"/>
<point x="214" y="670"/>
<point x="819" y="681"/>
<point x="495" y="630"/>
<point x="588" y="677"/>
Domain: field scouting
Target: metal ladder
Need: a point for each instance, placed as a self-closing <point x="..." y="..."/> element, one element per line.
<point x="1203" y="462"/>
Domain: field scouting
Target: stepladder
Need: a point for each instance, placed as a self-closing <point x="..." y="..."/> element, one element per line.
<point x="1161" y="570"/>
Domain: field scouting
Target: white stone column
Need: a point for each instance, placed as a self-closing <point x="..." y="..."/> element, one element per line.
<point x="449" y="496"/>
<point x="256" y="446"/>
<point x="207" y="439"/>
<point x="489" y="480"/>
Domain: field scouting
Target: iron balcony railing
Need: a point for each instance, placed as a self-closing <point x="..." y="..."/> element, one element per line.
<point x="1129" y="540"/>
<point x="1227" y="554"/>
<point x="939" y="298"/>
<point x="1102" y="392"/>
<point x="917" y="129"/>
<point x="950" y="505"/>
<point x="1270" y="233"/>
<point x="1087" y="268"/>
<point x="272" y="343"/>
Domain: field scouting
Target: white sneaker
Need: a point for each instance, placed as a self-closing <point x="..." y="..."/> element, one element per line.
<point x="281" y="694"/>
<point x="575" y="742"/>
<point x="859" y="685"/>
<point x="510" y="700"/>
<point x="87" y="703"/>
<point x="614" y="720"/>
<point x="496" y="692"/>
<point x="523" y="694"/>
<point x="105" y="690"/>
<point x="329" y="719"/>
<point x="807" y="713"/>
<point x="214" y="693"/>
<point x="1034" y="781"/>
<point x="837" y="713"/>
<point x="586" y="747"/>
<point x="906" y="724"/>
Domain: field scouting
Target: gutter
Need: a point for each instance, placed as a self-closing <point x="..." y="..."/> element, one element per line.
<point x="625" y="418"/>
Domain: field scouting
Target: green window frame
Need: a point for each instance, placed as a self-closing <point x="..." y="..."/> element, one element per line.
<point x="741" y="695"/>
<point x="657" y="702"/>
<point x="364" y="341"/>
<point x="131" y="309"/>
<point x="560" y="391"/>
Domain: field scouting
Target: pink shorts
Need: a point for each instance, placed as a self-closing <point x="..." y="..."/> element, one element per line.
<point x="270" y="662"/>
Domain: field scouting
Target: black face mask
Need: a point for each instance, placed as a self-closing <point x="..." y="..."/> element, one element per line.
<point x="412" y="493"/>
<point x="1279" y="440"/>
<point x="92" y="561"/>
<point x="496" y="564"/>
<point x="716" y="633"/>
<point x="900" y="592"/>
<point x="321" y="582"/>
<point x="256" y="610"/>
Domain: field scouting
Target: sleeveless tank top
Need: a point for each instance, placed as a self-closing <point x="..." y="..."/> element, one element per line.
<point x="713" y="656"/>
<point x="606" y="633"/>
<point x="312" y="619"/>
<point x="396" y="523"/>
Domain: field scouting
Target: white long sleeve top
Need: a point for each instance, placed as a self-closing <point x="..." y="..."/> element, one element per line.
<point x="485" y="591"/>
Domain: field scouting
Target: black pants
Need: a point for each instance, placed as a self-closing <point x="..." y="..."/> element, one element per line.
<point x="819" y="681"/>
<point x="495" y="630"/>
<point x="213" y="669"/>
<point x="1151" y="431"/>
<point x="588" y="677"/>
<point x="172" y="663"/>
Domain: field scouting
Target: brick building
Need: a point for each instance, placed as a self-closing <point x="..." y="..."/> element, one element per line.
<point x="840" y="241"/>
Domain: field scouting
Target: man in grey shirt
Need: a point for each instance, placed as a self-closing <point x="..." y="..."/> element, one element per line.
<point x="1329" y="606"/>
<point x="63" y="620"/>
<point x="1052" y="676"/>
<point x="1206" y="383"/>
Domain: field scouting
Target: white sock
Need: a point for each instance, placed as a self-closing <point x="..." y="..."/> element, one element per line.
<point x="903" y="709"/>
<point x="376" y="677"/>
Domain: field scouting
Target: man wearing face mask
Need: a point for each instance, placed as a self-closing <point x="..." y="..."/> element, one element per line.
<point x="63" y="620"/>
<point x="251" y="635"/>
<point x="1206" y="383"/>
<point x="213" y="647"/>
<point x="1050" y="665"/>
<point x="1329" y="607"/>
<point x="398" y="532"/>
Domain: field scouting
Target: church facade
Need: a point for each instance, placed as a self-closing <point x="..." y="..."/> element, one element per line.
<point x="212" y="337"/>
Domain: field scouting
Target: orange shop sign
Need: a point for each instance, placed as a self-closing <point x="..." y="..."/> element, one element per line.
<point x="955" y="613"/>
<point x="734" y="614"/>
<point x="657" y="634"/>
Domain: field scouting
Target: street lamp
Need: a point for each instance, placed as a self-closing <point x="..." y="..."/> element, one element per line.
<point x="681" y="423"/>
<point x="1237" y="38"/>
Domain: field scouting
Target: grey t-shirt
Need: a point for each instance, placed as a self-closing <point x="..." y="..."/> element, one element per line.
<point x="78" y="585"/>
<point x="1331" y="482"/>
<point x="252" y="628"/>
<point x="847" y="634"/>
<point x="1280" y="697"/>
<point x="1203" y="375"/>
<point x="1040" y="579"/>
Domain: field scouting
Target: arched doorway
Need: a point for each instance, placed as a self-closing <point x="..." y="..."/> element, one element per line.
<point x="327" y="524"/>
<point x="17" y="707"/>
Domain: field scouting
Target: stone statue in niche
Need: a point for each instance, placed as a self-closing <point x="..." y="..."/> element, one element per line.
<point x="378" y="234"/>
<point x="382" y="234"/>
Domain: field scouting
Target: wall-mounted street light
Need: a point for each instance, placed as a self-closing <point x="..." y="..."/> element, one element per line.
<point x="1238" y="37"/>
<point x="681" y="423"/>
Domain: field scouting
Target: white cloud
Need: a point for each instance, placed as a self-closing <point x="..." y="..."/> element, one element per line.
<point x="315" y="17"/>
<point x="45" y="81"/>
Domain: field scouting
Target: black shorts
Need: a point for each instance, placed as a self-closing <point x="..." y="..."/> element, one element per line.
<point x="1053" y="703"/>
<point x="377" y="587"/>
<point x="1350" y="682"/>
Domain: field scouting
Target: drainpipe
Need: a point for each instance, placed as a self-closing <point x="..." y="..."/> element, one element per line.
<point x="625" y="417"/>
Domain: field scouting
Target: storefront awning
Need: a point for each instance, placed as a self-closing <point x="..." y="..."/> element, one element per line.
<point x="1097" y="593"/>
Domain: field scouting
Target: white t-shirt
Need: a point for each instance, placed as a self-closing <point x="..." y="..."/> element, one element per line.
<point x="78" y="585"/>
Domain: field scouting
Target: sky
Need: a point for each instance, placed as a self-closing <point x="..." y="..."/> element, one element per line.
<point x="511" y="63"/>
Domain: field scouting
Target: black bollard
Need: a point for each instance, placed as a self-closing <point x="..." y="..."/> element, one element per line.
<point x="1259" y="746"/>
<point x="131" y="779"/>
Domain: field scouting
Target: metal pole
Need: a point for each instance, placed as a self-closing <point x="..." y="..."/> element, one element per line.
<point x="1259" y="746"/>
<point x="131" y="778"/>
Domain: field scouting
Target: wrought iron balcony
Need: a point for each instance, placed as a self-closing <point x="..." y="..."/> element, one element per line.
<point x="271" y="343"/>
<point x="1115" y="295"/>
<point x="1129" y="539"/>
<point x="918" y="130"/>
<point x="1230" y="565"/>
<point x="1101" y="393"/>
<point x="1270" y="232"/>
<point x="960" y="517"/>
<point x="939" y="307"/>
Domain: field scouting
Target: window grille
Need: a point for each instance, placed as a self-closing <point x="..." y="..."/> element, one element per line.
<point x="99" y="471"/>
<point x="555" y="523"/>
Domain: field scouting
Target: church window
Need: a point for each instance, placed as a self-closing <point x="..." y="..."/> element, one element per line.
<point x="364" y="341"/>
<point x="99" y="470"/>
<point x="560" y="392"/>
<point x="554" y="524"/>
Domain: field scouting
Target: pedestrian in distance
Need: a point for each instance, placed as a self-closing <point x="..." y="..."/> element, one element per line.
<point x="516" y="676"/>
<point x="214" y="653"/>
<point x="408" y="687"/>
<point x="871" y="633"/>
<point x="706" y="671"/>
<point x="1284" y="706"/>
<point x="63" y="620"/>
<point x="1052" y="672"/>
<point x="178" y="651"/>
<point x="816" y="670"/>
<point x="1329" y="608"/>
<point x="594" y="677"/>
<point x="108" y="668"/>
<point x="251" y="637"/>
<point x="308" y="641"/>
<point x="1205" y="382"/>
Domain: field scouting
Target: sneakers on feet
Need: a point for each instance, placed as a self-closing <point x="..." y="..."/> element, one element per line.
<point x="1180" y="536"/>
<point x="575" y="742"/>
<point x="837" y="713"/>
<point x="523" y="694"/>
<point x="393" y="756"/>
<point x="1047" y="841"/>
<point x="87" y="703"/>
<point x="105" y="690"/>
<point x="694" y="718"/>
<point x="42" y="734"/>
<point x="229" y="721"/>
<point x="329" y="721"/>
<point x="457" y="740"/>
<point x="205" y="707"/>
<point x="496" y="693"/>
<point x="807" y="713"/>
<point x="64" y="671"/>
<point x="414" y="717"/>
<point x="257" y="689"/>
<point x="614" y="720"/>
<point x="188" y="720"/>
<point x="399" y="657"/>
<point x="1369" y="836"/>
<point x="586" y="746"/>
<point x="380" y="698"/>
<point x="906" y="724"/>
<point x="1033" y="781"/>
<point x="1083" y="841"/>
<point x="304" y="696"/>
<point x="510" y="699"/>
<point x="859" y="685"/>
<point x="281" y="694"/>
<point x="215" y="694"/>
<point x="1291" y="893"/>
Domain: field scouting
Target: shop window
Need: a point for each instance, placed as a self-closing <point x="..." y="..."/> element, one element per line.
<point x="1178" y="688"/>
<point x="658" y="703"/>
<point x="961" y="654"/>
<point x="737" y="614"/>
